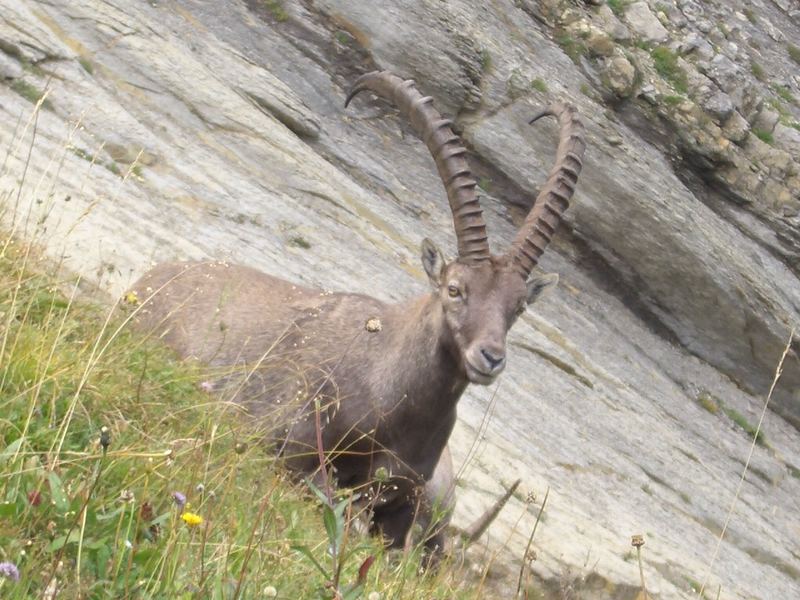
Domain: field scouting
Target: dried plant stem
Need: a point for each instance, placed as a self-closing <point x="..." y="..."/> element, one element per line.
<point x="530" y="542"/>
<point x="778" y="373"/>
<point x="641" y="572"/>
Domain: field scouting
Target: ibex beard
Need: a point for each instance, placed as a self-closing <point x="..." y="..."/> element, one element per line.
<point x="380" y="381"/>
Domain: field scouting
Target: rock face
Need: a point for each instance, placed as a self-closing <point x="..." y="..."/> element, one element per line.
<point x="194" y="129"/>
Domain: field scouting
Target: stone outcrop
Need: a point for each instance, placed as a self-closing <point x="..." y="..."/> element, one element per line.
<point x="192" y="129"/>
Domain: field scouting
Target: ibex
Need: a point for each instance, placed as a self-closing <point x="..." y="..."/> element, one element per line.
<point x="375" y="385"/>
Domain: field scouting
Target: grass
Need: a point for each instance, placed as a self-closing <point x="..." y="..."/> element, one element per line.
<point x="666" y="64"/>
<point x="751" y="16"/>
<point x="277" y="10"/>
<point x="785" y="94"/>
<point x="102" y="430"/>
<point x="708" y="402"/>
<point x="758" y="71"/>
<point x="618" y="6"/>
<point x="485" y="60"/>
<point x="740" y="420"/>
<point x="764" y="135"/>
<point x="539" y="85"/>
<point x="794" y="52"/>
<point x="574" y="48"/>
<point x="298" y="241"/>
<point x="673" y="100"/>
<point x="87" y="65"/>
<point x="30" y="92"/>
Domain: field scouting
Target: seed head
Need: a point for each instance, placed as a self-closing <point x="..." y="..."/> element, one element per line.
<point x="637" y="541"/>
<point x="105" y="437"/>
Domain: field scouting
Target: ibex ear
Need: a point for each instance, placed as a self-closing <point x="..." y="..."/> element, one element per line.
<point x="540" y="285"/>
<point x="432" y="261"/>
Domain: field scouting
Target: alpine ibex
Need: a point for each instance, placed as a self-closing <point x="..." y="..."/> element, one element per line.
<point x="378" y="383"/>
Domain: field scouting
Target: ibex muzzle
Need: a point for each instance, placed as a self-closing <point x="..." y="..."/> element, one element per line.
<point x="387" y="394"/>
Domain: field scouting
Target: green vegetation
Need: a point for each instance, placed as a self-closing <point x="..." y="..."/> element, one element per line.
<point x="618" y="6"/>
<point x="764" y="135"/>
<point x="666" y="64"/>
<point x="751" y="16"/>
<point x="30" y="92"/>
<point x="794" y="53"/>
<point x="715" y="405"/>
<point x="276" y="9"/>
<point x="485" y="183"/>
<point x="539" y="85"/>
<point x="120" y="476"/>
<point x="758" y="71"/>
<point x="672" y="100"/>
<point x="571" y="47"/>
<point x="742" y="422"/>
<point x="298" y="241"/>
<point x="485" y="59"/>
<point x="342" y="37"/>
<point x="785" y="94"/>
<point x="708" y="402"/>
<point x="87" y="65"/>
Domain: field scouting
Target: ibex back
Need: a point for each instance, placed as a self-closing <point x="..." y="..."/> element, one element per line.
<point x="380" y="381"/>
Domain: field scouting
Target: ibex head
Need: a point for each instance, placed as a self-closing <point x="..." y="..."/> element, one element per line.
<point x="482" y="294"/>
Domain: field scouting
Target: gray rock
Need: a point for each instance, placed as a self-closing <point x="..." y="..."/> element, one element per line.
<point x="620" y="76"/>
<point x="669" y="294"/>
<point x="612" y="25"/>
<point x="644" y="23"/>
<point x="9" y="67"/>
<point x="766" y="120"/>
<point x="719" y="105"/>
<point x="736" y="128"/>
<point x="787" y="138"/>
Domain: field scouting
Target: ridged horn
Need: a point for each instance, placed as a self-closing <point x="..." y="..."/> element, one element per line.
<point x="553" y="199"/>
<point x="447" y="151"/>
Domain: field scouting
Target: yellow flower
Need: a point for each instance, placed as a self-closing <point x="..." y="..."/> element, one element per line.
<point x="132" y="297"/>
<point x="191" y="519"/>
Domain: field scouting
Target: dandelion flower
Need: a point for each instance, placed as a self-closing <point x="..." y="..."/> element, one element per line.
<point x="191" y="519"/>
<point x="179" y="498"/>
<point x="9" y="571"/>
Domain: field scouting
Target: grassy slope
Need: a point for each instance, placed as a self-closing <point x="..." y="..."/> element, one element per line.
<point x="103" y="524"/>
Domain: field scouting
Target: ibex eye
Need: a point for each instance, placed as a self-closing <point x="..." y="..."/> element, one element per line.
<point x="453" y="291"/>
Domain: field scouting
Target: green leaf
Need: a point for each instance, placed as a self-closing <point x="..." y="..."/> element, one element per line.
<point x="305" y="551"/>
<point x="331" y="527"/>
<point x="109" y="515"/>
<point x="320" y="494"/>
<point x="11" y="449"/>
<point x="57" y="492"/>
<point x="62" y="540"/>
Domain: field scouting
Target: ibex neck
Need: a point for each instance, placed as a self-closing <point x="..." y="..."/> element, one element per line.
<point x="423" y="356"/>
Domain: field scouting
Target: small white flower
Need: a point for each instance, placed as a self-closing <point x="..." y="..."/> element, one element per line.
<point x="374" y="596"/>
<point x="270" y="592"/>
<point x="128" y="545"/>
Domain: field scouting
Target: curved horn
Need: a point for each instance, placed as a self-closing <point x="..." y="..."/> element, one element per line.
<point x="447" y="151"/>
<point x="553" y="199"/>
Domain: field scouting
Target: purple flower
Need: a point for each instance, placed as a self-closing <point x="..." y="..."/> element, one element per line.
<point x="180" y="499"/>
<point x="9" y="571"/>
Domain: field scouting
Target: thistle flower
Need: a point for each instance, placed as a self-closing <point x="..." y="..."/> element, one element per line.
<point x="179" y="499"/>
<point x="9" y="571"/>
<point x="35" y="497"/>
<point x="192" y="519"/>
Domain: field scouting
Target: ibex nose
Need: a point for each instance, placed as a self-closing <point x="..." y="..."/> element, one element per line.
<point x="494" y="359"/>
